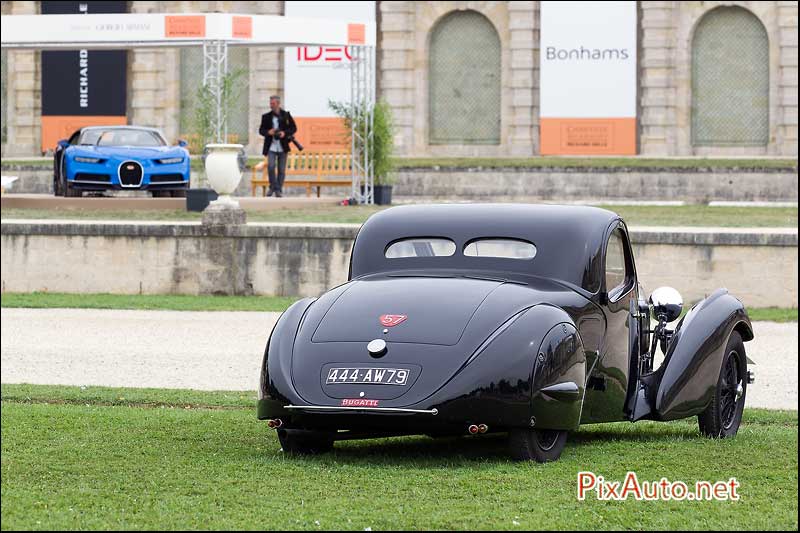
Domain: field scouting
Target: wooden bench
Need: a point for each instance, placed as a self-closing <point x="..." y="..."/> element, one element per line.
<point x="318" y="166"/>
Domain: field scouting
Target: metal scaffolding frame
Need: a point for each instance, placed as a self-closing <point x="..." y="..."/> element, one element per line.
<point x="362" y="105"/>
<point x="362" y="101"/>
<point x="215" y="67"/>
<point x="146" y="30"/>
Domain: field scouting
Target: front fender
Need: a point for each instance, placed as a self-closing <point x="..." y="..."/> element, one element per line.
<point x="275" y="381"/>
<point x="689" y="374"/>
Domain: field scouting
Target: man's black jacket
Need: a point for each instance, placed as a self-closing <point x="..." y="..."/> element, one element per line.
<point x="285" y="124"/>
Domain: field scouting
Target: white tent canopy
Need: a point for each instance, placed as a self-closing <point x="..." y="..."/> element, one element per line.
<point x="215" y="32"/>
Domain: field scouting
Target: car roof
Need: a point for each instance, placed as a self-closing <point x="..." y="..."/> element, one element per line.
<point x="569" y="239"/>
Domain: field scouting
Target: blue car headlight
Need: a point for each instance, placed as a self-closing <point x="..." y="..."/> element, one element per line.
<point x="83" y="159"/>
<point x="170" y="160"/>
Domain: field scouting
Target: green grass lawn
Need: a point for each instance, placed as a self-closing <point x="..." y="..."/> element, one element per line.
<point x="179" y="302"/>
<point x="174" y="302"/>
<point x="76" y="462"/>
<point x="688" y="215"/>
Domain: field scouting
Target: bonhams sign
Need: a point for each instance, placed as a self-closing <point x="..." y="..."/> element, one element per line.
<point x="588" y="78"/>
<point x="82" y="87"/>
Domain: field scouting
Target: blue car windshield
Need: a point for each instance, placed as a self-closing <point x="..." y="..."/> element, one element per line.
<point x="122" y="137"/>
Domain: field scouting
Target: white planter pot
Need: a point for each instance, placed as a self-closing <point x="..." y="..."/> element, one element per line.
<point x="222" y="169"/>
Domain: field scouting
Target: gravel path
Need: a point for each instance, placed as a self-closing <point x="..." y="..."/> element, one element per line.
<point x="223" y="350"/>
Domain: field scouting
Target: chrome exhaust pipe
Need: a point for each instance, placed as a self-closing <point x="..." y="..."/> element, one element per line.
<point x="275" y="424"/>
<point x="483" y="428"/>
<point x="473" y="429"/>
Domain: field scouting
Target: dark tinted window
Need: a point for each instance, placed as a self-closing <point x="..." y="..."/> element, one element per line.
<point x="122" y="137"/>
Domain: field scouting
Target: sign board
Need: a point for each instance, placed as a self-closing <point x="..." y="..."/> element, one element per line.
<point x="588" y="78"/>
<point x="81" y="87"/>
<point x="141" y="30"/>
<point x="315" y="74"/>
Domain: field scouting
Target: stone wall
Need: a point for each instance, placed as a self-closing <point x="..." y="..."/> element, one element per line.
<point x="532" y="184"/>
<point x="759" y="267"/>
<point x="596" y="185"/>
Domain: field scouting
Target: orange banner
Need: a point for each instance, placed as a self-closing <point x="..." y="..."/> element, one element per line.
<point x="356" y="33"/>
<point x="587" y="136"/>
<point x="322" y="133"/>
<point x="57" y="127"/>
<point x="242" y="27"/>
<point x="185" y="26"/>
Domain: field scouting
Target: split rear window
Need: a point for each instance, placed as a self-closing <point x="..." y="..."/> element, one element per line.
<point x="503" y="248"/>
<point x="442" y="247"/>
<point x="421" y="247"/>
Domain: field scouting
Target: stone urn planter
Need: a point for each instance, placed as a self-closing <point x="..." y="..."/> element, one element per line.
<point x="224" y="174"/>
<point x="222" y="169"/>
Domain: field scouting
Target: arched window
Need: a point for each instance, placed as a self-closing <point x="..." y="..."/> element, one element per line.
<point x="192" y="80"/>
<point x="464" y="80"/>
<point x="730" y="79"/>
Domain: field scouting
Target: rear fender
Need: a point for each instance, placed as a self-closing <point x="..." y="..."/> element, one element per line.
<point x="505" y="384"/>
<point x="559" y="379"/>
<point x="688" y="377"/>
<point x="276" y="380"/>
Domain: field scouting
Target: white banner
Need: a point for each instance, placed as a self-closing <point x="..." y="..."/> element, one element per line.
<point x="588" y="72"/>
<point x="178" y="29"/>
<point x="315" y="74"/>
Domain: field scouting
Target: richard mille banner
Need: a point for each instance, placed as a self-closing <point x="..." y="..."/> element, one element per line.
<point x="588" y="78"/>
<point x="314" y="74"/>
<point x="81" y="87"/>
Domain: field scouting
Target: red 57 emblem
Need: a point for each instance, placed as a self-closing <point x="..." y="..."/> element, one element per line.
<point x="391" y="320"/>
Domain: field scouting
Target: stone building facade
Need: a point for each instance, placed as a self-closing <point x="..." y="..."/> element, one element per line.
<point x="421" y="45"/>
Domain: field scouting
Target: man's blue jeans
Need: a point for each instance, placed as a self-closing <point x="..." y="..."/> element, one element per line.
<point x="276" y="159"/>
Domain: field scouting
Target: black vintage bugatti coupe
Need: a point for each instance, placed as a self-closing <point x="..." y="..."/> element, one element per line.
<point x="523" y="319"/>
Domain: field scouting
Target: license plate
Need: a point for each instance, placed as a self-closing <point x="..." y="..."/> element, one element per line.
<point x="366" y="375"/>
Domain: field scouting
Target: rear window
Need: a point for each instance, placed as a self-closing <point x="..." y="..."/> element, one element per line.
<point x="504" y="248"/>
<point x="421" y="247"/>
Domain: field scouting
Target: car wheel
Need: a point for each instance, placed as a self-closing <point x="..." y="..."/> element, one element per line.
<point x="722" y="417"/>
<point x="71" y="192"/>
<point x="540" y="445"/>
<point x="304" y="442"/>
<point x="180" y="193"/>
<point x="58" y="181"/>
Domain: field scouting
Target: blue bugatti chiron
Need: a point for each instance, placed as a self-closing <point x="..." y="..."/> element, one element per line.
<point x="103" y="158"/>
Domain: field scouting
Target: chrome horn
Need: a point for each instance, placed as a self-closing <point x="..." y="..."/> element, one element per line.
<point x="667" y="303"/>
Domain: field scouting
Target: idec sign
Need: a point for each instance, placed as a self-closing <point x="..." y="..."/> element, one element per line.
<point x="323" y="53"/>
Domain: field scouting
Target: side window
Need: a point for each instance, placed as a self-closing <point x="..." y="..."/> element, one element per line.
<point x="74" y="138"/>
<point x="616" y="270"/>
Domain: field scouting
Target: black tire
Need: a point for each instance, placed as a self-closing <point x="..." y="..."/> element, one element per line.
<point x="161" y="194"/>
<point x="180" y="193"/>
<point x="303" y="442"/>
<point x="540" y="445"/>
<point x="71" y="192"/>
<point x="723" y="416"/>
<point x="58" y="179"/>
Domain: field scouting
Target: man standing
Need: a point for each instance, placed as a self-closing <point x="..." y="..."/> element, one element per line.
<point x="277" y="127"/>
